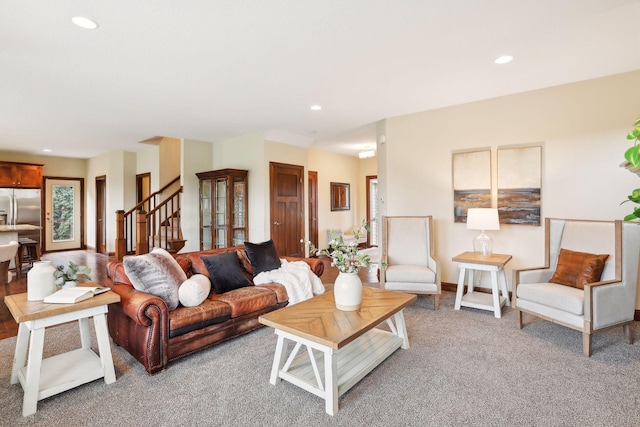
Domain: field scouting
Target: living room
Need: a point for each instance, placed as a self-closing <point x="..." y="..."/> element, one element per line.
<point x="502" y="374"/>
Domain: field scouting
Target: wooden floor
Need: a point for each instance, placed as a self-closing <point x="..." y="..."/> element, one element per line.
<point x="98" y="264"/>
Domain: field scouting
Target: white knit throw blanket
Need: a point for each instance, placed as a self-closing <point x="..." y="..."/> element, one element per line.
<point x="301" y="283"/>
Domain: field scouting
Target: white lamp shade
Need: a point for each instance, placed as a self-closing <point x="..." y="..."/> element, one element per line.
<point x="483" y="219"/>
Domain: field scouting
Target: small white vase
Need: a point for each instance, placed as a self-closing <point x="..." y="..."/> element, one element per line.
<point x="69" y="284"/>
<point x="347" y="292"/>
<point x="40" y="281"/>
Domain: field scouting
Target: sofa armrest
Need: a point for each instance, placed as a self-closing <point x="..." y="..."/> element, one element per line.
<point x="316" y="265"/>
<point x="140" y="324"/>
<point x="141" y="307"/>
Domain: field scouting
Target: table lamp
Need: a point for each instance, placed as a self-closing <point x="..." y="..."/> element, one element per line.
<point x="482" y="219"/>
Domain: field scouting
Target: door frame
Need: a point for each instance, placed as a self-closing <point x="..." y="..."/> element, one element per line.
<point x="47" y="223"/>
<point x="369" y="178"/>
<point x="313" y="207"/>
<point x="274" y="167"/>
<point x="101" y="207"/>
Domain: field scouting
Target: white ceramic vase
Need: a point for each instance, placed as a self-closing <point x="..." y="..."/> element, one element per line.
<point x="40" y="281"/>
<point x="69" y="284"/>
<point x="347" y="291"/>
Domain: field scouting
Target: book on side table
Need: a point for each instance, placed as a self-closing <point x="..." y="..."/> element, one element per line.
<point x="74" y="294"/>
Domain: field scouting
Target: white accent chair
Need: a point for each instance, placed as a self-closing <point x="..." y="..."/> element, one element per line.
<point x="408" y="262"/>
<point x="347" y="237"/>
<point x="7" y="254"/>
<point x="601" y="305"/>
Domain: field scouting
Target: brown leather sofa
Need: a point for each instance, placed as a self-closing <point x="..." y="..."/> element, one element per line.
<point x="142" y="324"/>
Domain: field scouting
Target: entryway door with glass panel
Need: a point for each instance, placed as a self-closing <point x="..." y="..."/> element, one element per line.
<point x="63" y="214"/>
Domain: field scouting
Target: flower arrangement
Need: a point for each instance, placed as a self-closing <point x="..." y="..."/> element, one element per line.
<point x="344" y="255"/>
<point x="71" y="274"/>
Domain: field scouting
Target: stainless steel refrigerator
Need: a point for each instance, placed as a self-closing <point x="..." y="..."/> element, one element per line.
<point x="21" y="206"/>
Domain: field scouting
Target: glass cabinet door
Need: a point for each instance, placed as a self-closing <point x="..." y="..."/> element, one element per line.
<point x="239" y="214"/>
<point x="206" y="233"/>
<point x="223" y="208"/>
<point x="221" y="213"/>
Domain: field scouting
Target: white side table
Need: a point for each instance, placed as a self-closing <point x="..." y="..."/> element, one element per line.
<point x="43" y="378"/>
<point x="494" y="264"/>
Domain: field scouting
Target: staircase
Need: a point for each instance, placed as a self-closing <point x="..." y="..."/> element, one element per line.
<point x="138" y="230"/>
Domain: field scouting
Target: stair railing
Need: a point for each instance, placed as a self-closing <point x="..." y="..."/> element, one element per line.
<point x="127" y="223"/>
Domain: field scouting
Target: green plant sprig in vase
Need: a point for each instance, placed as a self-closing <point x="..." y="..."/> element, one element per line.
<point x="632" y="155"/>
<point x="345" y="255"/>
<point x="71" y="274"/>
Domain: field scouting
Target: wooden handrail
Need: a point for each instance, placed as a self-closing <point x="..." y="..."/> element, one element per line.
<point x="137" y="230"/>
<point x="152" y="196"/>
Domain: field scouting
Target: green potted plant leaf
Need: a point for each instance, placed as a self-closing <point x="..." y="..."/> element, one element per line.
<point x="632" y="155"/>
<point x="71" y="274"/>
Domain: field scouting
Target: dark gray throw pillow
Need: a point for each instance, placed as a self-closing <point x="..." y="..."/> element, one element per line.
<point x="263" y="256"/>
<point x="225" y="272"/>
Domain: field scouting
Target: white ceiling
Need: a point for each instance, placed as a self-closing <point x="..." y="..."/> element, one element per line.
<point x="212" y="69"/>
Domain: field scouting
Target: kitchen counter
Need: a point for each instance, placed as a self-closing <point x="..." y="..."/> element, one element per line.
<point x="16" y="228"/>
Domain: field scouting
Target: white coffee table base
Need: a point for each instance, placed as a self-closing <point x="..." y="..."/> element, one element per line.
<point x="329" y="373"/>
<point x="44" y="378"/>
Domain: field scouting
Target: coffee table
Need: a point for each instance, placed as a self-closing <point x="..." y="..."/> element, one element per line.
<point x="43" y="378"/>
<point x="341" y="346"/>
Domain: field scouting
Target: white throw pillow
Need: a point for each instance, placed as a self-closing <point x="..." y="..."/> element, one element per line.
<point x="194" y="290"/>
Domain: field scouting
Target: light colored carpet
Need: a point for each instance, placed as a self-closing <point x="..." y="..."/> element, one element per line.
<point x="463" y="368"/>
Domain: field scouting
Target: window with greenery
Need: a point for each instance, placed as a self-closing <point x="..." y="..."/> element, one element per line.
<point x="63" y="202"/>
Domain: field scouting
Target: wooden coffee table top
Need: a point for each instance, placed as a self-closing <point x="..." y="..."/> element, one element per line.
<point x="318" y="320"/>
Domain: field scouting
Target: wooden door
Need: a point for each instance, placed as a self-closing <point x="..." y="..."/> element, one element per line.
<point x="143" y="189"/>
<point x="313" y="207"/>
<point x="101" y="225"/>
<point x="287" y="209"/>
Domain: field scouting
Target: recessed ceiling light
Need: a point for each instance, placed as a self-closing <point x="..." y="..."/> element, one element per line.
<point x="46" y="150"/>
<point x="84" y="22"/>
<point x="316" y="107"/>
<point x="504" y="59"/>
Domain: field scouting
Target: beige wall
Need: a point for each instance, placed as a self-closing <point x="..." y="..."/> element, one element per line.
<point x="170" y="163"/>
<point x="333" y="167"/>
<point x="582" y="128"/>
<point x="148" y="161"/>
<point x="119" y="168"/>
<point x="197" y="157"/>
<point x="53" y="166"/>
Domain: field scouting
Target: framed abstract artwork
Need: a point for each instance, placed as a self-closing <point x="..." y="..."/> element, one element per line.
<point x="519" y="185"/>
<point x="340" y="196"/>
<point x="471" y="182"/>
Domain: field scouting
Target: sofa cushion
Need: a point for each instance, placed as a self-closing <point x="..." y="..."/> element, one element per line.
<point x="186" y="319"/>
<point x="263" y="256"/>
<point x="561" y="297"/>
<point x="156" y="273"/>
<point x="194" y="290"/>
<point x="409" y="274"/>
<point x="225" y="272"/>
<point x="247" y="300"/>
<point x="578" y="268"/>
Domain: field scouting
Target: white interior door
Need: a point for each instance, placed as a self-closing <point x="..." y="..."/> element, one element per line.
<point x="63" y="214"/>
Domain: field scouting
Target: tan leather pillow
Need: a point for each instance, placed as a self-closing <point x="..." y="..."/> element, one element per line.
<point x="576" y="269"/>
